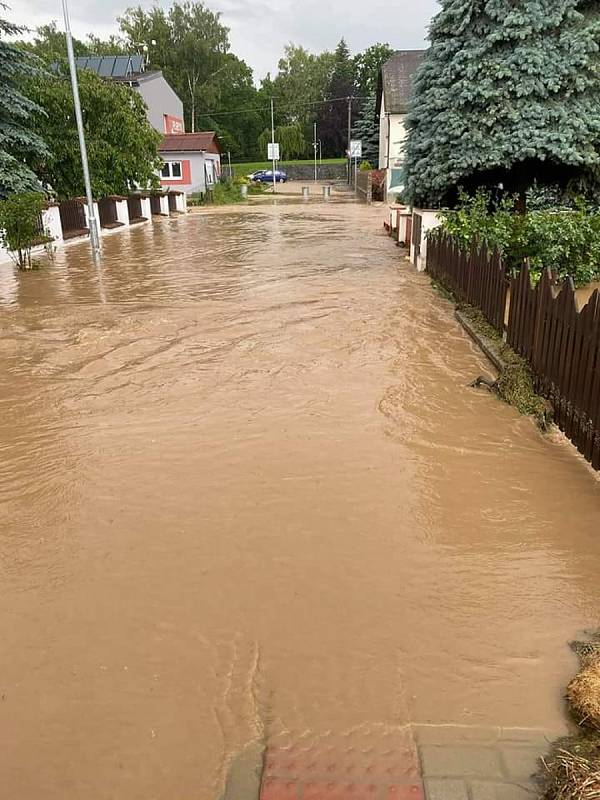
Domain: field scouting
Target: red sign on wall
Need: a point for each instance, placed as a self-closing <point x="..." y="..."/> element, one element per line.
<point x="173" y="124"/>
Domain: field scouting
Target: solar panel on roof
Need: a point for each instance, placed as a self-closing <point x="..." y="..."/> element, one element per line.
<point x="106" y="66"/>
<point x="81" y="61"/>
<point x="120" y="67"/>
<point x="94" y="63"/>
<point x="137" y="63"/>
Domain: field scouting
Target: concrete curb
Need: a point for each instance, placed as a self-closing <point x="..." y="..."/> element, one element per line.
<point x="488" y="347"/>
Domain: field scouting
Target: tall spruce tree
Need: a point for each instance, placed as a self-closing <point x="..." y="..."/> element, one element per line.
<point x="508" y="93"/>
<point x="16" y="138"/>
<point x="366" y="129"/>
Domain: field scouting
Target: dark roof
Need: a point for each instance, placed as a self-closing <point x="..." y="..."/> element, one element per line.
<point x="112" y="66"/>
<point x="396" y="80"/>
<point x="179" y="142"/>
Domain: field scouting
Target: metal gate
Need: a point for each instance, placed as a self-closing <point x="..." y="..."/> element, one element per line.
<point x="72" y="218"/>
<point x="155" y="204"/>
<point x="172" y="202"/>
<point x="107" y="211"/>
<point x="134" y="207"/>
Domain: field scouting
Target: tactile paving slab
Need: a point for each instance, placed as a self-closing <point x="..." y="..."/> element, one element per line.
<point x="362" y="764"/>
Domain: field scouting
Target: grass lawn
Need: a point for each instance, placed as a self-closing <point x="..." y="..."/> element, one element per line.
<point x="254" y="166"/>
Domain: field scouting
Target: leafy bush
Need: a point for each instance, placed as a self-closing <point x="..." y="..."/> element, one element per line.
<point x="565" y="240"/>
<point x="19" y="226"/>
<point x="221" y="194"/>
<point x="365" y="166"/>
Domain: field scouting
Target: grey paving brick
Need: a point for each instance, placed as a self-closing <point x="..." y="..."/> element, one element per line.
<point x="528" y="735"/>
<point x="490" y="790"/>
<point x="455" y="762"/>
<point x="456" y="734"/>
<point x="445" y="789"/>
<point x="521" y="762"/>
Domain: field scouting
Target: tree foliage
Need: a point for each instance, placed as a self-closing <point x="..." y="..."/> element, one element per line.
<point x="190" y="44"/>
<point x="121" y="144"/>
<point x="17" y="140"/>
<point x="302" y="81"/>
<point x="366" y="128"/>
<point x="50" y="44"/>
<point x="508" y="93"/>
<point x="333" y="114"/>
<point x="566" y="240"/>
<point x="367" y="66"/>
<point x="19" y="230"/>
<point x="292" y="143"/>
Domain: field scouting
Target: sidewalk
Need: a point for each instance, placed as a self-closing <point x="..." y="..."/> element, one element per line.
<point x="476" y="763"/>
<point x="422" y="762"/>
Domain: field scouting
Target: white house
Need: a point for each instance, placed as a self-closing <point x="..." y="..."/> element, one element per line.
<point x="192" y="161"/>
<point x="394" y="91"/>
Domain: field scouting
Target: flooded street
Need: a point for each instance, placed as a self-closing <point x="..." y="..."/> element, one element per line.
<point x="245" y="492"/>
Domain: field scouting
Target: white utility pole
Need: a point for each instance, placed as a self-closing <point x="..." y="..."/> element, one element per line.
<point x="229" y="160"/>
<point x="92" y="221"/>
<point x="315" y="147"/>
<point x="273" y="144"/>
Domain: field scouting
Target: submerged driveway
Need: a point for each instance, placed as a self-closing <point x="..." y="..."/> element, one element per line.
<point x="246" y="494"/>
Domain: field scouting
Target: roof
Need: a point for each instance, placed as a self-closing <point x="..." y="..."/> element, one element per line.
<point x="396" y="80"/>
<point x="179" y="142"/>
<point x="112" y="66"/>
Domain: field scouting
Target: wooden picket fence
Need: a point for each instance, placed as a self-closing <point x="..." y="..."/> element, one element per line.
<point x="560" y="342"/>
<point x="562" y="346"/>
<point x="474" y="276"/>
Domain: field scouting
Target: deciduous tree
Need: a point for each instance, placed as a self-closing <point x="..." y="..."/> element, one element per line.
<point x="367" y="66"/>
<point x="121" y="144"/>
<point x="332" y="116"/>
<point x="291" y="141"/>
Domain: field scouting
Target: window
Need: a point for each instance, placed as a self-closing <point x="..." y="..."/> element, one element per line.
<point x="171" y="169"/>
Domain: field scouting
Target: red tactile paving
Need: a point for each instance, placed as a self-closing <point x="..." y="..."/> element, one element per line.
<point x="363" y="764"/>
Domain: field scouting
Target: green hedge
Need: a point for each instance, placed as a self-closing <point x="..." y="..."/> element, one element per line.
<point x="565" y="240"/>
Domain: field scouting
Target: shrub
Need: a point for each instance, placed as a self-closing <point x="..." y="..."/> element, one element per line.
<point x="365" y="166"/>
<point x="564" y="240"/>
<point x="19" y="226"/>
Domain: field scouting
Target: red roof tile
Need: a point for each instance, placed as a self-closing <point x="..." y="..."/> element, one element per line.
<point x="177" y="142"/>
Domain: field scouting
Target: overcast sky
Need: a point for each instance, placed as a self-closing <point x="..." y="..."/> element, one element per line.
<point x="261" y="28"/>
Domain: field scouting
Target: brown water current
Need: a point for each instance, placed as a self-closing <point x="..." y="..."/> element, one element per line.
<point x="244" y="490"/>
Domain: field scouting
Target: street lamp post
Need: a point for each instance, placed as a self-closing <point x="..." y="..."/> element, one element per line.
<point x="92" y="221"/>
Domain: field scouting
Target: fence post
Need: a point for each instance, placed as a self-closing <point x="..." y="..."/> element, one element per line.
<point x="51" y="223"/>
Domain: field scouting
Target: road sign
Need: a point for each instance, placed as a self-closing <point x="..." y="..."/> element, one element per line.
<point x="273" y="151"/>
<point x="356" y="148"/>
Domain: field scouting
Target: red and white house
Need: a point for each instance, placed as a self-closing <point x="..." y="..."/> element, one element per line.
<point x="192" y="161"/>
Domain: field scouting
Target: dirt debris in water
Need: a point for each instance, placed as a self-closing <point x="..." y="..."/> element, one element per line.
<point x="249" y="432"/>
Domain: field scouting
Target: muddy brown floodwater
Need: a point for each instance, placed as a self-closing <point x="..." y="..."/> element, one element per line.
<point x="245" y="490"/>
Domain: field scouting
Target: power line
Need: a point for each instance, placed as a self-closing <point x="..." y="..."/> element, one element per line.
<point x="280" y="108"/>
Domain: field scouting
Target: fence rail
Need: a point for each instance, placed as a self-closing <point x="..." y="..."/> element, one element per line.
<point x="560" y="342"/>
<point x="475" y="276"/>
<point x="562" y="345"/>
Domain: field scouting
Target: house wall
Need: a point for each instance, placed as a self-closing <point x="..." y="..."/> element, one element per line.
<point x="383" y="136"/>
<point x="194" y="168"/>
<point x="430" y="218"/>
<point x="392" y="136"/>
<point x="161" y="100"/>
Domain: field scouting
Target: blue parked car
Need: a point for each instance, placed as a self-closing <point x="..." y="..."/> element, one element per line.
<point x="266" y="176"/>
